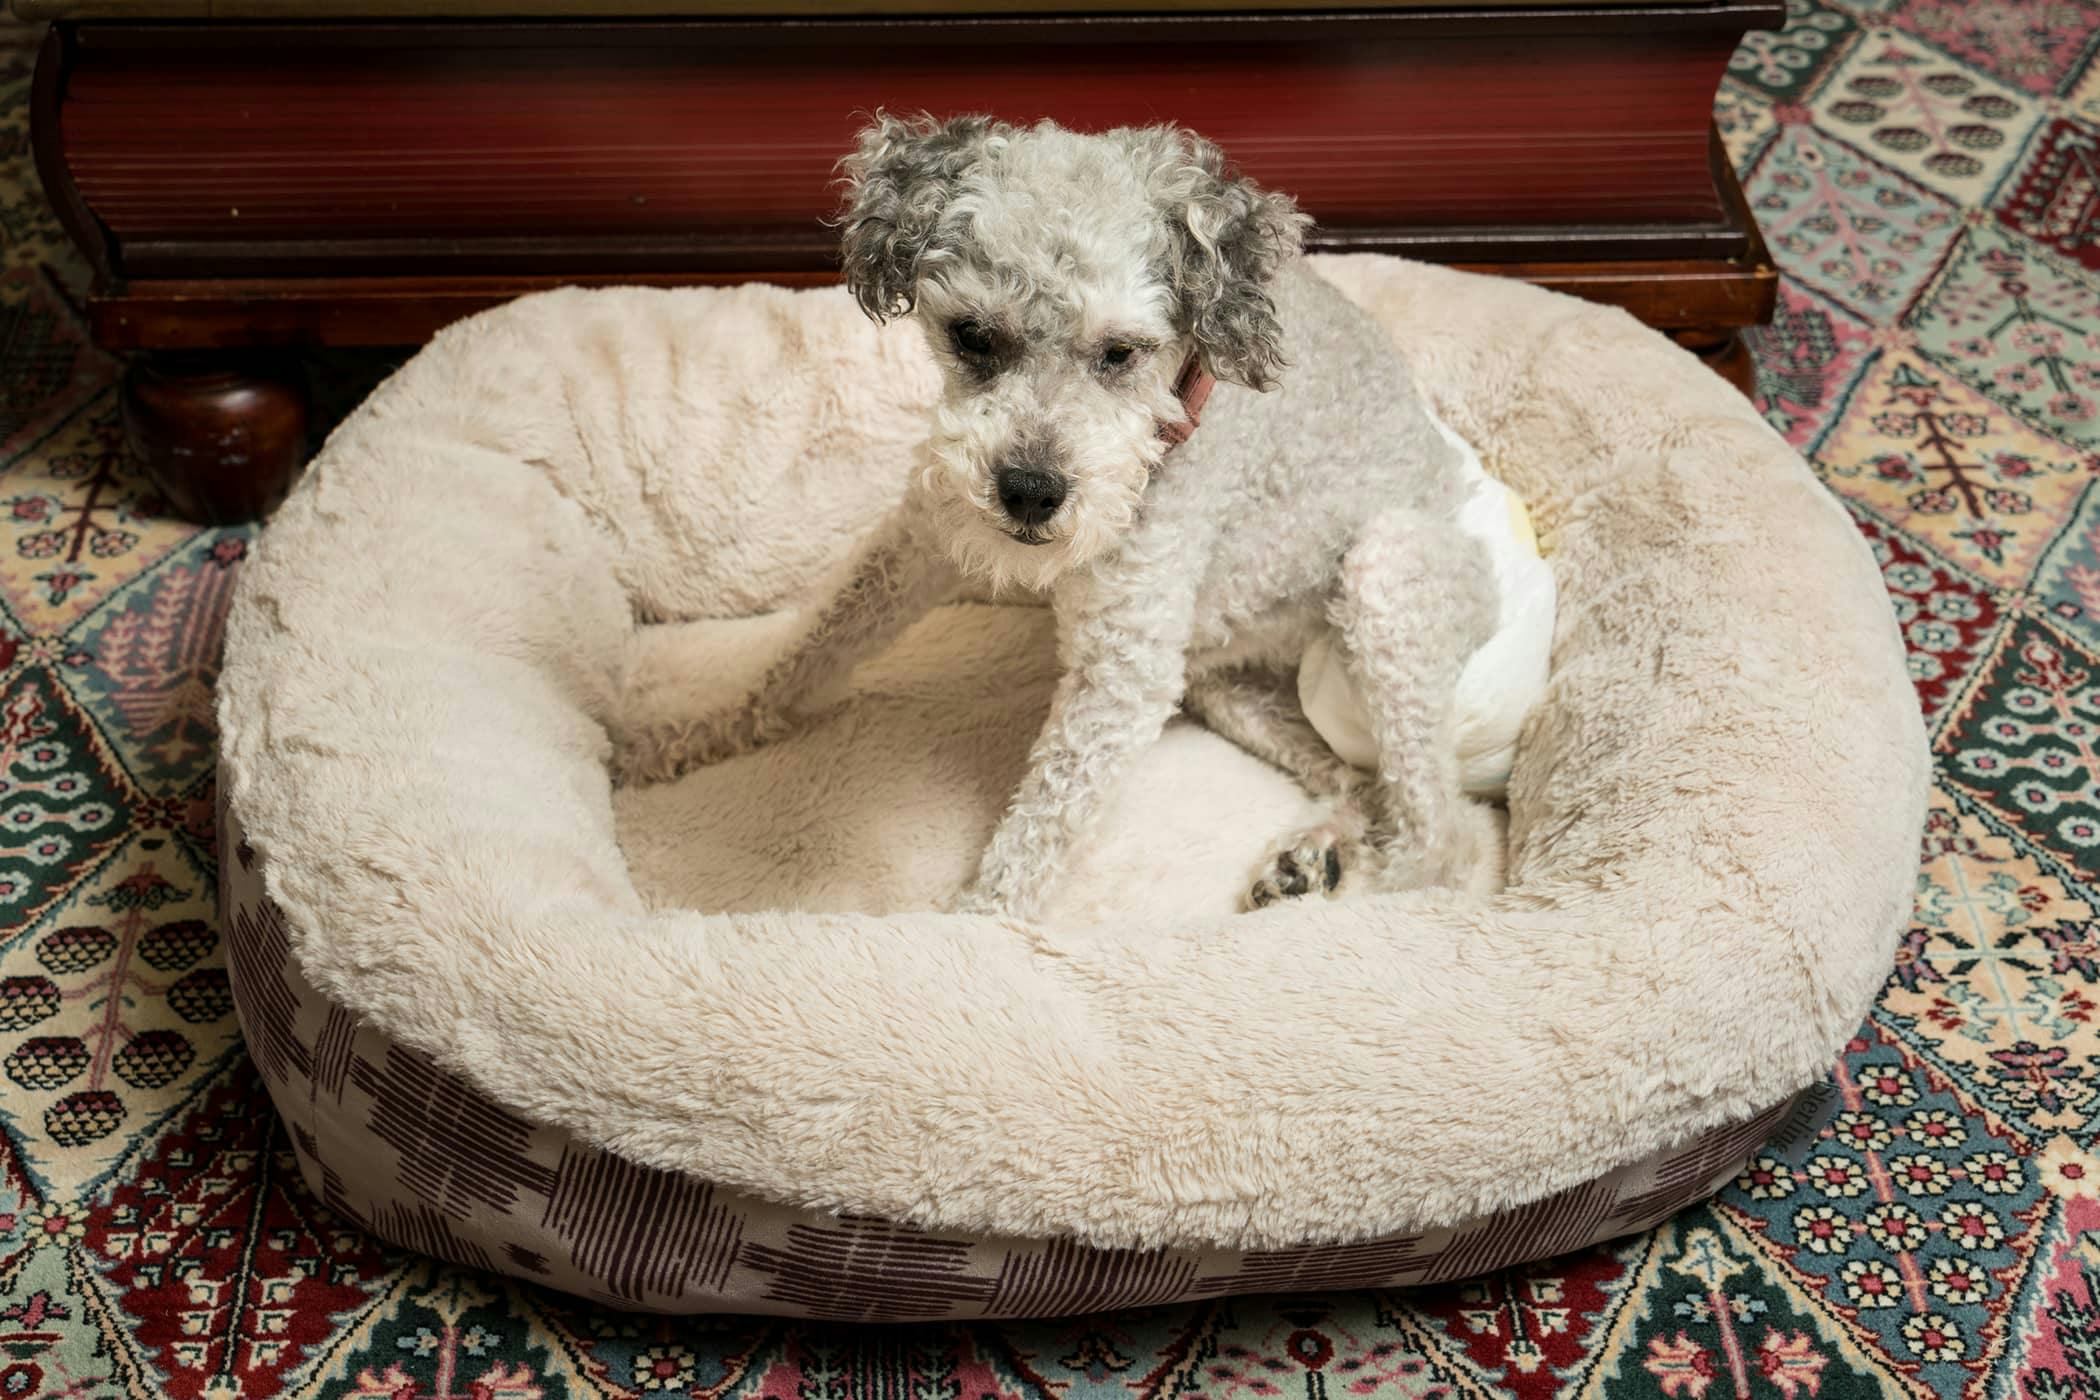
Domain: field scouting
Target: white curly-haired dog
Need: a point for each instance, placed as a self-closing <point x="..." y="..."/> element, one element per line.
<point x="1080" y="292"/>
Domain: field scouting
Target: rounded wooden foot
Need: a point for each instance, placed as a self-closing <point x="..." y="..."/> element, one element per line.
<point x="221" y="433"/>
<point x="1726" y="353"/>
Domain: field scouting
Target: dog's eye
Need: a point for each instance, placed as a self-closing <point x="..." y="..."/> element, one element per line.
<point x="971" y="338"/>
<point x="1116" y="356"/>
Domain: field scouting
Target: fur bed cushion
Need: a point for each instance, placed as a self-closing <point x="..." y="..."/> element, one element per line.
<point x="511" y="1013"/>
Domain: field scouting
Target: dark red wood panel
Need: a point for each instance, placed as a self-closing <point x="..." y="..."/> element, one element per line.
<point x="206" y="314"/>
<point x="675" y="135"/>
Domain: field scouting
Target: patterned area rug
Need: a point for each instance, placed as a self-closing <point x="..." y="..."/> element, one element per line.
<point x="1928" y="173"/>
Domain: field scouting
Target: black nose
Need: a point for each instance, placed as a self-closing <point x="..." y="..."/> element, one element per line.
<point x="1030" y="496"/>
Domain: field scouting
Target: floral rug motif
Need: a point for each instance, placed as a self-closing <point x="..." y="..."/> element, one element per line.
<point x="1928" y="176"/>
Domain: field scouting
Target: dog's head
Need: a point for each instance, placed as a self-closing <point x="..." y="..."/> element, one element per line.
<point x="1063" y="281"/>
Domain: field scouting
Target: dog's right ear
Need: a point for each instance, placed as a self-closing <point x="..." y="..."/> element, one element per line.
<point x="898" y="183"/>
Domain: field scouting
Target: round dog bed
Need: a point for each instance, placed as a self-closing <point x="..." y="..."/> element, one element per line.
<point x="697" y="1048"/>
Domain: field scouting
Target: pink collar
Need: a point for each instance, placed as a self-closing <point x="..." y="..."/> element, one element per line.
<point x="1192" y="386"/>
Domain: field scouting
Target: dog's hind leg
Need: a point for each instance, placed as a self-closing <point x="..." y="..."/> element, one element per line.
<point x="1258" y="710"/>
<point x="1417" y="598"/>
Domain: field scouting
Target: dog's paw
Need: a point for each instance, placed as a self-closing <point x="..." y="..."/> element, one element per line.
<point x="661" y="752"/>
<point x="1310" y="862"/>
<point x="653" y="753"/>
<point x="731" y="733"/>
<point x="971" y="902"/>
<point x="979" y="900"/>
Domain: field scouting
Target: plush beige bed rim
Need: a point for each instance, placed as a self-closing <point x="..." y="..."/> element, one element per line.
<point x="518" y="1018"/>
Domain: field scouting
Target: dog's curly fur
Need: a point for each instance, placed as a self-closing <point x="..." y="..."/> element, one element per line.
<point x="1062" y="281"/>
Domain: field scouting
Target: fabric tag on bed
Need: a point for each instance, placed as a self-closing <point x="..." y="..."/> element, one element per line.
<point x="1803" y="1126"/>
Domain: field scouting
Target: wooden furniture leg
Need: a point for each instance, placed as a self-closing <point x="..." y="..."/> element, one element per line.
<point x="1726" y="353"/>
<point x="220" y="433"/>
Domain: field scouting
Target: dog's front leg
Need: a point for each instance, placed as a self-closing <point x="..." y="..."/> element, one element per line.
<point x="1124" y="674"/>
<point x="898" y="578"/>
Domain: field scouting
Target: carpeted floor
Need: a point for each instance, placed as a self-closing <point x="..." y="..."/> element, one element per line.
<point x="1928" y="174"/>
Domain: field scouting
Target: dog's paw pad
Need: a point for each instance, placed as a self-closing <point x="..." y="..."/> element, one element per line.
<point x="1310" y="863"/>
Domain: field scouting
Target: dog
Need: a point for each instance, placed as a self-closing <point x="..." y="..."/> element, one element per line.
<point x="1089" y="299"/>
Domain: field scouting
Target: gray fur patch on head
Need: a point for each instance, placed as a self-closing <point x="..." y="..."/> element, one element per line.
<point x="899" y="180"/>
<point x="1229" y="238"/>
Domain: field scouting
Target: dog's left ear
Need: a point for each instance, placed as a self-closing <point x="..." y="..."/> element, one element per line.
<point x="1228" y="239"/>
<point x="899" y="180"/>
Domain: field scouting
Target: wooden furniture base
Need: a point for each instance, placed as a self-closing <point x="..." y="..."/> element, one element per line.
<point x="246" y="185"/>
<point x="220" y="433"/>
<point x="1726" y="353"/>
